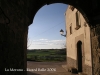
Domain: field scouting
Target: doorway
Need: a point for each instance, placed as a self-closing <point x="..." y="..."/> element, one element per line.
<point x="79" y="56"/>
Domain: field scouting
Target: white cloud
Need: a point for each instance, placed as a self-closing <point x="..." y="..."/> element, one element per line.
<point x="58" y="40"/>
<point x="43" y="39"/>
<point x="47" y="43"/>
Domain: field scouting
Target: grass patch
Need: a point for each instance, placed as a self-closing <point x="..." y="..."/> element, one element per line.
<point x="46" y="55"/>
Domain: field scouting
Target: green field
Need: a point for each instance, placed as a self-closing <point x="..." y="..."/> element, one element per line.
<point x="46" y="55"/>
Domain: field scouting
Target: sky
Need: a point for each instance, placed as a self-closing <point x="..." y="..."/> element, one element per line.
<point x="44" y="32"/>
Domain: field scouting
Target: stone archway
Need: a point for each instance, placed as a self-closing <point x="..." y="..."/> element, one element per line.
<point x="13" y="34"/>
<point x="79" y="56"/>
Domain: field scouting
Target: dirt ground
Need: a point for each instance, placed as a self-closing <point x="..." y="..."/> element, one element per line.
<point x="46" y="68"/>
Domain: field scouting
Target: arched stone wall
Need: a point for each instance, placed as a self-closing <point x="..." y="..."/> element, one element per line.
<point x="17" y="15"/>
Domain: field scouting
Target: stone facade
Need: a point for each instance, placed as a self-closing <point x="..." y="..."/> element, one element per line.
<point x="78" y="31"/>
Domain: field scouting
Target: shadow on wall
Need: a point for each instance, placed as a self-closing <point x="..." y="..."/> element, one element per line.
<point x="99" y="41"/>
<point x="97" y="29"/>
<point x="30" y="73"/>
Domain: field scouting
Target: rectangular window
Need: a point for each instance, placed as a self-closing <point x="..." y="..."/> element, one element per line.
<point x="77" y="19"/>
<point x="70" y="29"/>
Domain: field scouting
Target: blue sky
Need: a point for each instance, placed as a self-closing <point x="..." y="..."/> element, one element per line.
<point x="44" y="32"/>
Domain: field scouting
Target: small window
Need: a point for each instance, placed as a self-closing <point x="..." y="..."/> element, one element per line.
<point x="70" y="29"/>
<point x="77" y="21"/>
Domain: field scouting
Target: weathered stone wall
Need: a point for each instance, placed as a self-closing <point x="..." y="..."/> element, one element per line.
<point x="13" y="36"/>
<point x="12" y="49"/>
<point x="95" y="40"/>
<point x="73" y="63"/>
<point x="87" y="70"/>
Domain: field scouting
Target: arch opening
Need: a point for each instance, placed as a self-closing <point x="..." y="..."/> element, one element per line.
<point x="79" y="59"/>
<point x="48" y="25"/>
<point x="79" y="56"/>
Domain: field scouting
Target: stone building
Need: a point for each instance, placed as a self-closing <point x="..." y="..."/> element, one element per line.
<point x="78" y="41"/>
